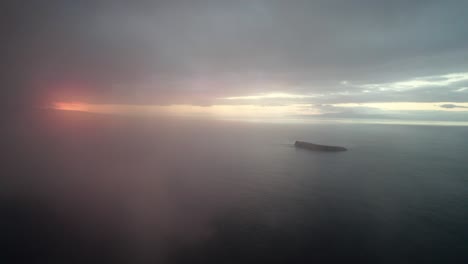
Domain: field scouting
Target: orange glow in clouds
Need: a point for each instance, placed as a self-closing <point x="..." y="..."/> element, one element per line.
<point x="71" y="106"/>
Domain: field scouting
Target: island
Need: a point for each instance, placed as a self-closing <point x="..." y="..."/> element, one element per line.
<point x="316" y="147"/>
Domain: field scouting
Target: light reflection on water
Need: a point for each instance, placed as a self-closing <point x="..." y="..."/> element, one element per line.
<point x="211" y="191"/>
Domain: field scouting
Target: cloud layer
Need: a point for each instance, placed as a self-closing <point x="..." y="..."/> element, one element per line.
<point x="196" y="52"/>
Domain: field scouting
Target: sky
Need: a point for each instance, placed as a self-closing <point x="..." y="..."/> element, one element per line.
<point x="246" y="58"/>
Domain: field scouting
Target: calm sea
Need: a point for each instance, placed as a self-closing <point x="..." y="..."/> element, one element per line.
<point x="84" y="188"/>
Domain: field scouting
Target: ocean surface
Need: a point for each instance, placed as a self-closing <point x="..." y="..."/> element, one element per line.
<point x="89" y="188"/>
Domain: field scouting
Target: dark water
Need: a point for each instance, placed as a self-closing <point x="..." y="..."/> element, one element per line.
<point x="84" y="188"/>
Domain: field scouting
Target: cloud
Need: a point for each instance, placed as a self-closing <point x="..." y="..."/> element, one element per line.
<point x="421" y="82"/>
<point x="195" y="52"/>
<point x="270" y="96"/>
<point x="366" y="112"/>
<point x="451" y="106"/>
<point x="434" y="88"/>
<point x="463" y="89"/>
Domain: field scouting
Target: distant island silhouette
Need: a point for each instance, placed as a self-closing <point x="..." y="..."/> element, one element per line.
<point x="316" y="147"/>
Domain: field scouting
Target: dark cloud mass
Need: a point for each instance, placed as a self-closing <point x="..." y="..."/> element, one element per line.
<point x="450" y="106"/>
<point x="196" y="51"/>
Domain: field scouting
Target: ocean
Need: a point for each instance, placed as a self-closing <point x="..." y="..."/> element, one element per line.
<point x="89" y="188"/>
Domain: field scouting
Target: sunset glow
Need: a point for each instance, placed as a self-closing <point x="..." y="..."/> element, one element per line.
<point x="71" y="106"/>
<point x="217" y="111"/>
<point x="255" y="111"/>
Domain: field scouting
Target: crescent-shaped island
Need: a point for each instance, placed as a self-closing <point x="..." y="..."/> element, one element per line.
<point x="316" y="147"/>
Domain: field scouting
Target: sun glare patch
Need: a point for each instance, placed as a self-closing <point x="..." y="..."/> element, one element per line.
<point x="70" y="106"/>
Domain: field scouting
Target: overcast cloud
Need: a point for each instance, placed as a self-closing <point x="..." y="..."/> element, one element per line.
<point x="200" y="52"/>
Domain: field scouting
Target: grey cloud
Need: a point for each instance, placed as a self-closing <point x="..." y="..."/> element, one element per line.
<point x="451" y="106"/>
<point x="402" y="115"/>
<point x="197" y="51"/>
<point x="421" y="95"/>
<point x="330" y="111"/>
<point x="360" y="112"/>
<point x="453" y="92"/>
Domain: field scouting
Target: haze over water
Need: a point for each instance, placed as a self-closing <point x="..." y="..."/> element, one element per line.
<point x="86" y="187"/>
